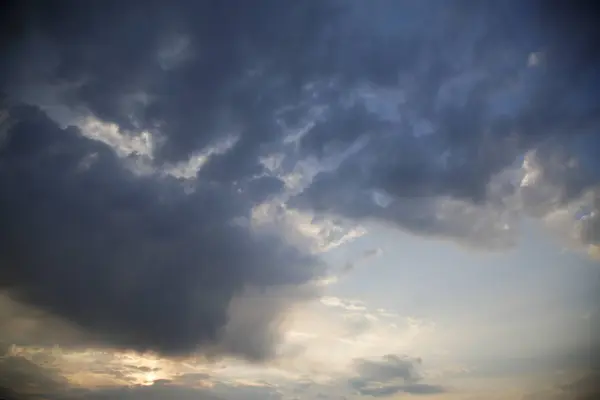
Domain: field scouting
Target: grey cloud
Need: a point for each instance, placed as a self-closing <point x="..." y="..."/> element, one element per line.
<point x="135" y="261"/>
<point x="191" y="379"/>
<point x="152" y="268"/>
<point x="372" y="253"/>
<point x="584" y="388"/>
<point x="414" y="389"/>
<point x="8" y="394"/>
<point x="590" y="231"/>
<point x="422" y="388"/>
<point x="357" y="324"/>
<point x="392" y="374"/>
<point x="307" y="389"/>
<point x="24" y="324"/>
<point x="22" y="379"/>
<point x="389" y="368"/>
<point x="484" y="106"/>
<point x="365" y="256"/>
<point x="177" y="391"/>
<point x="240" y="68"/>
<point x="159" y="390"/>
<point x="468" y="103"/>
<point x="257" y="318"/>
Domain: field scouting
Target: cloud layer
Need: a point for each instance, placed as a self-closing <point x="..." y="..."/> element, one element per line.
<point x="135" y="260"/>
<point x="424" y="128"/>
<point x="142" y="143"/>
<point x="393" y="374"/>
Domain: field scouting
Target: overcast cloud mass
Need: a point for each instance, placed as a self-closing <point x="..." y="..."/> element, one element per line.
<point x="173" y="174"/>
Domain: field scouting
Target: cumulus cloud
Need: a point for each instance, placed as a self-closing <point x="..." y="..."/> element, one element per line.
<point x="464" y="120"/>
<point x="21" y="378"/>
<point x="414" y="137"/>
<point x="172" y="170"/>
<point x="135" y="260"/>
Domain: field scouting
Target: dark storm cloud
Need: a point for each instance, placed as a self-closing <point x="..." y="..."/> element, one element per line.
<point x="135" y="260"/>
<point x="191" y="72"/>
<point x="238" y="63"/>
<point x="472" y="106"/>
<point x="22" y="379"/>
<point x="392" y="374"/>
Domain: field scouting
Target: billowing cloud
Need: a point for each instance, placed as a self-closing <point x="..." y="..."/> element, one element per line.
<point x="172" y="171"/>
<point x="134" y="260"/>
<point x="446" y="161"/>
<point x="427" y="127"/>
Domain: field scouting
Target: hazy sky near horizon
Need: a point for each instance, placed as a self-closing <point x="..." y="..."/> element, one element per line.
<point x="305" y="200"/>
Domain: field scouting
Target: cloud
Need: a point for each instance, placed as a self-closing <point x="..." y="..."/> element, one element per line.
<point x="23" y="379"/>
<point x="35" y="373"/>
<point x="414" y="389"/>
<point x="347" y="305"/>
<point x="22" y="324"/>
<point x="173" y="170"/>
<point x="316" y="234"/>
<point x="392" y="374"/>
<point x="415" y="137"/>
<point x="135" y="260"/>
<point x="180" y="76"/>
<point x="159" y="390"/>
<point x="365" y="256"/>
<point x="8" y="394"/>
<point x="96" y="368"/>
<point x="481" y="115"/>
<point x="583" y="388"/>
<point x="174" y="390"/>
<point x="390" y="368"/>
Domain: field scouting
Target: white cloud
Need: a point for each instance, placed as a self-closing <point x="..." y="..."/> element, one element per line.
<point x="189" y="169"/>
<point x="123" y="144"/>
<point x="318" y="235"/>
<point x="348" y="305"/>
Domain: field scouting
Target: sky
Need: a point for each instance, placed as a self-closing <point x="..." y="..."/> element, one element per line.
<point x="223" y="200"/>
